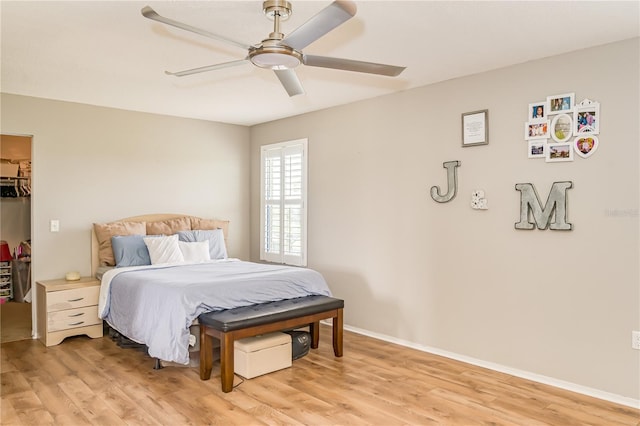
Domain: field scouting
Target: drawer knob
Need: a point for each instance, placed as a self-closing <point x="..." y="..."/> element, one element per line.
<point x="77" y="323"/>
<point x="76" y="300"/>
<point x="76" y="315"/>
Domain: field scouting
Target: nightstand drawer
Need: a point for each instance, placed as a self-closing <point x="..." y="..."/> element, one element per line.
<point x="74" y="298"/>
<point x="72" y="318"/>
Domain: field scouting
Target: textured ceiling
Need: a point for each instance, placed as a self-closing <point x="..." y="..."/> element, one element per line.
<point x="107" y="54"/>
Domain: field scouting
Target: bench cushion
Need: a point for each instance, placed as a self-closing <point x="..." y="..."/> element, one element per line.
<point x="265" y="313"/>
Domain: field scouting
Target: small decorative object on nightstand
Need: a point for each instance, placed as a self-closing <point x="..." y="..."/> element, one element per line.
<point x="68" y="308"/>
<point x="72" y="276"/>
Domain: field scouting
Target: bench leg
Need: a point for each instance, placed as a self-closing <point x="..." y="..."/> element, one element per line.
<point x="206" y="354"/>
<point x="314" y="329"/>
<point x="226" y="362"/>
<point x="337" y="334"/>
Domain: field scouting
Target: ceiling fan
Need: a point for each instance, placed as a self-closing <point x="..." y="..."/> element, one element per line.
<point x="282" y="54"/>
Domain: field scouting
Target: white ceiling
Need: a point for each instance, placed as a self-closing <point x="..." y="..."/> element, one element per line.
<point x="105" y="53"/>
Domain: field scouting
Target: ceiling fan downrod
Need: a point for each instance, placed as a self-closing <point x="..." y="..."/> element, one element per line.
<point x="277" y="10"/>
<point x="271" y="53"/>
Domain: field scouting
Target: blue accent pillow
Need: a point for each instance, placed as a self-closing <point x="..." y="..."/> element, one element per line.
<point x="217" y="248"/>
<point x="130" y="250"/>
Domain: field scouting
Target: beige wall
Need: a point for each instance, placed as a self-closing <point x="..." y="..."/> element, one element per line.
<point x="93" y="164"/>
<point x="556" y="304"/>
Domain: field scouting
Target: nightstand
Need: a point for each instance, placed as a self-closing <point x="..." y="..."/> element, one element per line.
<point x="68" y="308"/>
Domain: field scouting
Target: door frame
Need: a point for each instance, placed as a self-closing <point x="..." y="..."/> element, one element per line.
<point x="34" y="302"/>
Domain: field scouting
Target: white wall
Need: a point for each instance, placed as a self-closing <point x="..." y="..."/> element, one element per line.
<point x="557" y="304"/>
<point x="93" y="164"/>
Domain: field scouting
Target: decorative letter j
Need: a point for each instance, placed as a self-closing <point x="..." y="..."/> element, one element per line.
<point x="452" y="181"/>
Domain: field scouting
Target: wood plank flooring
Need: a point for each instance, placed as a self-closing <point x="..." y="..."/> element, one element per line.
<point x="15" y="321"/>
<point x="93" y="381"/>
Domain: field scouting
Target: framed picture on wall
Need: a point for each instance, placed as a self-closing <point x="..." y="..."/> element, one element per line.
<point x="586" y="118"/>
<point x="585" y="145"/>
<point x="561" y="127"/>
<point x="538" y="112"/>
<point x="536" y="148"/>
<point x="558" y="152"/>
<point x="557" y="104"/>
<point x="536" y="130"/>
<point x="475" y="128"/>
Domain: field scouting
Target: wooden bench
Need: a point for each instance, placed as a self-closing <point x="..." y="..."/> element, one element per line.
<point x="232" y="324"/>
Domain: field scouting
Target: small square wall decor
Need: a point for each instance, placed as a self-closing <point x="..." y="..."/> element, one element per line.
<point x="475" y="128"/>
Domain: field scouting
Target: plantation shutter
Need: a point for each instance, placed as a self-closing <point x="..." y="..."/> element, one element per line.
<point x="283" y="207"/>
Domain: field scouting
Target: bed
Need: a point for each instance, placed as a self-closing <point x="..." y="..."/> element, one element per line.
<point x="156" y="302"/>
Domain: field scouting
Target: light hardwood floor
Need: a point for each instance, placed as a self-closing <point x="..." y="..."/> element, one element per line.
<point x="15" y="321"/>
<point x="93" y="381"/>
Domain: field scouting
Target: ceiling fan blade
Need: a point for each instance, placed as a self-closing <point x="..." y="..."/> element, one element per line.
<point x="149" y="13"/>
<point x="351" y="65"/>
<point x="327" y="19"/>
<point x="207" y="68"/>
<point x="290" y="81"/>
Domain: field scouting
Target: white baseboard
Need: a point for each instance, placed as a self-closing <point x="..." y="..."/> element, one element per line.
<point x="606" y="396"/>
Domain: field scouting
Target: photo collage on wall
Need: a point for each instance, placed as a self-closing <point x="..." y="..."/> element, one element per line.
<point x="558" y="127"/>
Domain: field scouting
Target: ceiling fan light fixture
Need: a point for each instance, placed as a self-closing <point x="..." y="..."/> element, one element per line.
<point x="275" y="57"/>
<point x="275" y="61"/>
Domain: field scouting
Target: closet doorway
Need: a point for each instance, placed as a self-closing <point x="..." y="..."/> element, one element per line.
<point x="15" y="238"/>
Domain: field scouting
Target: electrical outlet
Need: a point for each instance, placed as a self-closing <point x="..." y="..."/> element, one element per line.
<point x="54" y="225"/>
<point x="635" y="339"/>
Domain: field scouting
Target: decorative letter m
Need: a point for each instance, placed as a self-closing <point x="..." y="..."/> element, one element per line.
<point x="530" y="203"/>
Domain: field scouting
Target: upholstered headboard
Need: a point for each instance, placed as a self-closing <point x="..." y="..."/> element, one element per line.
<point x="156" y="220"/>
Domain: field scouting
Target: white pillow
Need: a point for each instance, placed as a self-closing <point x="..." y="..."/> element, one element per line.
<point x="217" y="248"/>
<point x="164" y="249"/>
<point x="195" y="252"/>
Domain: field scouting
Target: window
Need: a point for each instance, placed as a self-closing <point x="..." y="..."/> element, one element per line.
<point x="283" y="203"/>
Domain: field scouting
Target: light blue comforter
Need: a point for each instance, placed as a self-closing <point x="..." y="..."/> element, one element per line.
<point x="155" y="305"/>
